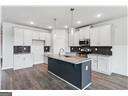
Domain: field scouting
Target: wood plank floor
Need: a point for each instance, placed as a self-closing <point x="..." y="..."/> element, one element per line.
<point x="37" y="78"/>
<point x="5" y="93"/>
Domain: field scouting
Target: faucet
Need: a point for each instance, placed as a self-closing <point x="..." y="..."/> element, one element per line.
<point x="61" y="50"/>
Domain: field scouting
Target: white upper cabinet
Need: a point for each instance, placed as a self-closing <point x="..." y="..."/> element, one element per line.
<point x="18" y="36"/>
<point x="84" y="33"/>
<point x="105" y="35"/>
<point x="76" y="38"/>
<point x="22" y="36"/>
<point x="48" y="39"/>
<point x="27" y="37"/>
<point x="101" y="36"/>
<point x="35" y="35"/>
<point x="81" y="34"/>
<point x="94" y="37"/>
<point x="71" y="39"/>
<point x="42" y="35"/>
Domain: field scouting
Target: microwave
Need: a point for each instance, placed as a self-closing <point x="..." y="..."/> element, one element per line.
<point x="85" y="42"/>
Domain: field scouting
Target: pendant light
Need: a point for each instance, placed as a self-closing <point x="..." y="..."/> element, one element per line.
<point x="71" y="29"/>
<point x="54" y="26"/>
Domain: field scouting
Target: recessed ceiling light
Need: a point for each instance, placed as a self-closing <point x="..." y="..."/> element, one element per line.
<point x="31" y="22"/>
<point x="99" y="15"/>
<point x="78" y="22"/>
<point x="66" y="26"/>
<point x="50" y="27"/>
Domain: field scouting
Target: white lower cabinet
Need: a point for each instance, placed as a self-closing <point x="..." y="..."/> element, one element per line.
<point x="22" y="61"/>
<point x="101" y="63"/>
<point x="104" y="64"/>
<point x="94" y="62"/>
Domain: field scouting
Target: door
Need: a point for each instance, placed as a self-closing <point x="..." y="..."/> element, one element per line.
<point x="38" y="51"/>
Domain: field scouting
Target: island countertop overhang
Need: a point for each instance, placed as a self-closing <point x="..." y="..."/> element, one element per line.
<point x="71" y="59"/>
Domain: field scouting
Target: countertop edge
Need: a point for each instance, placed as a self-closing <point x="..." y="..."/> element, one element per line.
<point x="87" y="59"/>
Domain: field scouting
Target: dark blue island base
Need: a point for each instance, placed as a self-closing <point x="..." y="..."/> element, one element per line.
<point x="77" y="75"/>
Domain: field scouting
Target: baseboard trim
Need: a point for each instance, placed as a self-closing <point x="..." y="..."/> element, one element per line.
<point x="87" y="86"/>
<point x="70" y="83"/>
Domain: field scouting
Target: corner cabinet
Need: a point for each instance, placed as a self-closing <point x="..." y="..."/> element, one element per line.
<point x="101" y="63"/>
<point x="100" y="36"/>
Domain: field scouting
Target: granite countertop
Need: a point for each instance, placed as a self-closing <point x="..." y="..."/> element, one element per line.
<point x="70" y="59"/>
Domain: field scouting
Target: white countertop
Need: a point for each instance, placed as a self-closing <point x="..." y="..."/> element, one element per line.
<point x="71" y="59"/>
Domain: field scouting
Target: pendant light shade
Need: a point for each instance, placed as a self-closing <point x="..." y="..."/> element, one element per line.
<point x="55" y="26"/>
<point x="71" y="29"/>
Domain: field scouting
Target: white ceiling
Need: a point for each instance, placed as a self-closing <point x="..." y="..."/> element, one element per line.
<point x="42" y="16"/>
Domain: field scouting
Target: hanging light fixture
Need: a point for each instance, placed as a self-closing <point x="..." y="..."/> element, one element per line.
<point x="71" y="29"/>
<point x="55" y="26"/>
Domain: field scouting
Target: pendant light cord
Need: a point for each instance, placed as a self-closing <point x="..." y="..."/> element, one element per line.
<point x="72" y="13"/>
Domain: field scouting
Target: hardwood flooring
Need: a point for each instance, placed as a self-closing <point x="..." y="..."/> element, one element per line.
<point x="5" y="94"/>
<point x="38" y="78"/>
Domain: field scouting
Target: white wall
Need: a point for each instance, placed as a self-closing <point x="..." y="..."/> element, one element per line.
<point x="119" y="44"/>
<point x="60" y="40"/>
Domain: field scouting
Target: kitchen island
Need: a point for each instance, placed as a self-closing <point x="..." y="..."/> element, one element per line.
<point x="74" y="70"/>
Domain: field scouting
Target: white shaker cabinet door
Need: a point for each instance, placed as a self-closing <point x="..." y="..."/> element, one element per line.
<point x="76" y="38"/>
<point x="18" y="61"/>
<point x="103" y="63"/>
<point x="35" y="35"/>
<point x="94" y="62"/>
<point x="100" y="36"/>
<point x="48" y="39"/>
<point x="18" y="36"/>
<point x="28" y="60"/>
<point x="27" y="37"/>
<point x="71" y="39"/>
<point x="94" y="37"/>
<point x="42" y="35"/>
<point x="105" y="35"/>
<point x="81" y="34"/>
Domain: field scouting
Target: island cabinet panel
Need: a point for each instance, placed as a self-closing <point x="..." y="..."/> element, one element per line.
<point x="78" y="75"/>
<point x="67" y="71"/>
<point x="86" y="73"/>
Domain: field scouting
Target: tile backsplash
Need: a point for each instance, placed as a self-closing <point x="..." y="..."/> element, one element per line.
<point x="104" y="50"/>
